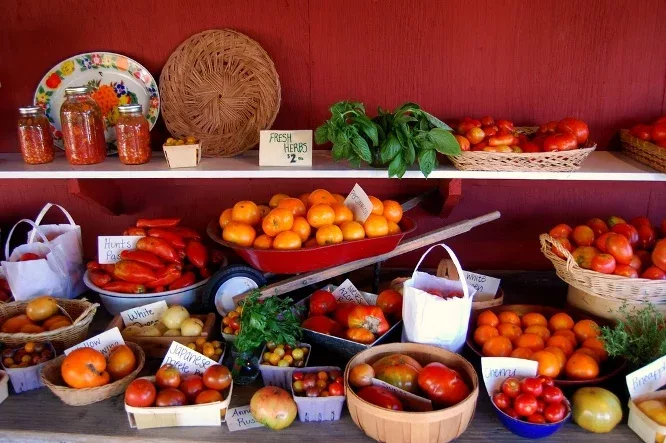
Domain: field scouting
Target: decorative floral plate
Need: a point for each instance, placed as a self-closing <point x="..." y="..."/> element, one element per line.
<point x="113" y="79"/>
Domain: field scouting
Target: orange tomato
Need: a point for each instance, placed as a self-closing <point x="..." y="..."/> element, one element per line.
<point x="581" y="366"/>
<point x="375" y="226"/>
<point x="311" y="243"/>
<point x="392" y="211"/>
<point x="377" y="205"/>
<point x="85" y="368"/>
<point x="534" y="319"/>
<point x="549" y="364"/>
<point x="320" y="196"/>
<point x="559" y="353"/>
<point x="561" y="342"/>
<point x="561" y="320"/>
<point x="263" y="210"/>
<point x="585" y="329"/>
<point x="302" y="228"/>
<point x="328" y="235"/>
<point x="225" y="217"/>
<point x="497" y="347"/>
<point x="276" y="199"/>
<point x="245" y="212"/>
<point x="531" y="341"/>
<point x="295" y="205"/>
<point x="16" y="323"/>
<point x="509" y="330"/>
<point x="484" y="333"/>
<point x="352" y="230"/>
<point x="591" y="352"/>
<point x="338" y="198"/>
<point x="287" y="240"/>
<point x="487" y="318"/>
<point x="568" y="333"/>
<point x="393" y="228"/>
<point x="239" y="233"/>
<point x="596" y="345"/>
<point x="320" y="215"/>
<point x="304" y="198"/>
<point x="541" y="331"/>
<point x="278" y="220"/>
<point x="523" y="353"/>
<point x="263" y="242"/>
<point x="342" y="213"/>
<point x="509" y="317"/>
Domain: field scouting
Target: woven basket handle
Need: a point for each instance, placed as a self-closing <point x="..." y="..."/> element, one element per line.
<point x="85" y="313"/>
<point x="447" y="269"/>
<point x="547" y="242"/>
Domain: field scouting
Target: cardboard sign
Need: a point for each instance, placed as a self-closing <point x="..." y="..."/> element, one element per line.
<point x="413" y="401"/>
<point x="285" y="148"/>
<point x="359" y="203"/>
<point x="146" y="315"/>
<point x="486" y="287"/>
<point x="348" y="292"/>
<point x="240" y="418"/>
<point x="647" y="379"/>
<point x="102" y="342"/>
<point x="188" y="361"/>
<point x="109" y="247"/>
<point x="497" y="369"/>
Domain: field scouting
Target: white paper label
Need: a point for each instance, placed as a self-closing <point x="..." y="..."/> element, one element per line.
<point x="188" y="361"/>
<point x="649" y="378"/>
<point x="359" y="203"/>
<point x="240" y="418"/>
<point x="496" y="369"/>
<point x="285" y="148"/>
<point x="146" y="315"/>
<point x="102" y="342"/>
<point x="486" y="287"/>
<point x="412" y="401"/>
<point x="348" y="292"/>
<point x="109" y="247"/>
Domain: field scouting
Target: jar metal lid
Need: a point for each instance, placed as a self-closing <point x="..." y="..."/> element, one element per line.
<point x="125" y="109"/>
<point x="76" y="90"/>
<point x="30" y="110"/>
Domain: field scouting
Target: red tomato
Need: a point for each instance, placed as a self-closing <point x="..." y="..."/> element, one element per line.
<point x="636" y="262"/>
<point x="511" y="387"/>
<point x="546" y="381"/>
<point x="541" y="405"/>
<point x="28" y="256"/>
<point x="598" y="226"/>
<point x="661" y="143"/>
<point x="479" y="147"/>
<point x="555" y="412"/>
<point x="552" y="394"/>
<point x="298" y="375"/>
<point x="626" y="271"/>
<point x="342" y="311"/>
<point x="600" y="243"/>
<point x="561" y="230"/>
<point x="536" y="418"/>
<point x="530" y="147"/>
<point x="511" y="412"/>
<point x="487" y="121"/>
<point x="380" y="397"/>
<point x="614" y="220"/>
<point x="436" y="293"/>
<point x="217" y="377"/>
<point x="618" y="246"/>
<point x="560" y="142"/>
<point x="336" y="389"/>
<point x="531" y="385"/>
<point x="659" y="254"/>
<point x="583" y="235"/>
<point x="644" y="132"/>
<point x="489" y="130"/>
<point x="191" y="386"/>
<point x="170" y="397"/>
<point x="475" y="135"/>
<point x="525" y="405"/>
<point x="640" y="221"/>
<point x="548" y="128"/>
<point x="390" y="302"/>
<point x="628" y="231"/>
<point x="323" y="325"/>
<point x="505" y="124"/>
<point x="654" y="273"/>
<point x="463" y="142"/>
<point x="583" y="255"/>
<point x="501" y="400"/>
<point x="322" y="302"/>
<point x="500" y="140"/>
<point x="645" y="258"/>
<point x="659" y="132"/>
<point x="576" y="127"/>
<point x="140" y="393"/>
<point x="566" y="244"/>
<point x="442" y="384"/>
<point x="604" y="263"/>
<point x="646" y="236"/>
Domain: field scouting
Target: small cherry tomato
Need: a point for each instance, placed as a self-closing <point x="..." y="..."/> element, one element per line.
<point x="511" y="387"/>
<point x="511" y="413"/>
<point x="552" y="394"/>
<point x="536" y="418"/>
<point x="546" y="381"/>
<point x="531" y="385"/>
<point x="501" y="400"/>
<point x="555" y="412"/>
<point x="541" y="406"/>
<point x="526" y="405"/>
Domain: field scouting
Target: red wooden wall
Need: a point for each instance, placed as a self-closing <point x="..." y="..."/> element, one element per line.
<point x="529" y="60"/>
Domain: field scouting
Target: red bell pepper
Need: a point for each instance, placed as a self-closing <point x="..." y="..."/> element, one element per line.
<point x="134" y="272"/>
<point x="159" y="247"/>
<point x="187" y="279"/>
<point x="143" y="257"/>
<point x="197" y="253"/>
<point x="125" y="287"/>
<point x="157" y="222"/>
<point x="176" y="240"/>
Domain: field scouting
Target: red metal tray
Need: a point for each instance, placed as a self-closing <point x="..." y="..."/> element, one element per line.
<point x="312" y="259"/>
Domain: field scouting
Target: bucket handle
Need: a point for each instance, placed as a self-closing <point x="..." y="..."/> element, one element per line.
<point x="455" y="261"/>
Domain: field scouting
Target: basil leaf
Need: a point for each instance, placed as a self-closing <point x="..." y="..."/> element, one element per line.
<point x="405" y="107"/>
<point x="427" y="160"/>
<point x="435" y="121"/>
<point x="368" y="127"/>
<point x="403" y="119"/>
<point x="444" y="141"/>
<point x="397" y="167"/>
<point x="321" y="134"/>
<point x="390" y="148"/>
<point x="361" y="148"/>
<point x="410" y="152"/>
<point x="403" y="134"/>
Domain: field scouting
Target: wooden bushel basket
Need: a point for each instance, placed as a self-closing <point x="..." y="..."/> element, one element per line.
<point x="390" y="426"/>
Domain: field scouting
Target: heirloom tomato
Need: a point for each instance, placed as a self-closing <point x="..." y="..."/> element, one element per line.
<point x="361" y="375"/>
<point x="273" y="407"/>
<point x="368" y="317"/>
<point x="170" y="397"/>
<point x="398" y="370"/>
<point x="85" y="368"/>
<point x="390" y="302"/>
<point x="217" y="377"/>
<point x="380" y="397"/>
<point x="322" y="324"/>
<point x="121" y="362"/>
<point x="583" y="255"/>
<point x="360" y="335"/>
<point x="191" y="386"/>
<point x="596" y="409"/>
<point x="322" y="302"/>
<point x="442" y="384"/>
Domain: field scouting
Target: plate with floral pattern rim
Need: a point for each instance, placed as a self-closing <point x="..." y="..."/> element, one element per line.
<point x="113" y="79"/>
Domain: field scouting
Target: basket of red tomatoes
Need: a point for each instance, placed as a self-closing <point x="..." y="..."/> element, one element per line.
<point x="646" y="143"/>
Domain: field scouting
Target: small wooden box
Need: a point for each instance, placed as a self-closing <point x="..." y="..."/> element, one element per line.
<point x="182" y="156"/>
<point x="156" y="347"/>
<point x="646" y="429"/>
<point x="209" y="414"/>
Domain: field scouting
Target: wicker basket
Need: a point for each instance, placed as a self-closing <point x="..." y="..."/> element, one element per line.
<point x="80" y="397"/>
<point x="643" y="151"/>
<point x="601" y="285"/>
<point x="221" y="87"/>
<point x="81" y="312"/>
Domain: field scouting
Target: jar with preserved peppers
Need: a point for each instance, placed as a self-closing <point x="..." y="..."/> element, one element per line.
<point x="82" y="127"/>
<point x="34" y="136"/>
<point x="132" y="135"/>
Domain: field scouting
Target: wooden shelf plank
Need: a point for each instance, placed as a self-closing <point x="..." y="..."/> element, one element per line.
<point x="599" y="166"/>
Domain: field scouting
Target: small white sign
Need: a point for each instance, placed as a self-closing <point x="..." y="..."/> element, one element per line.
<point x="647" y="379"/>
<point x="496" y="369"/>
<point x="102" y="342"/>
<point x="188" y="361"/>
<point x="285" y="148"/>
<point x="240" y="418"/>
<point x="109" y="247"/>
<point x="486" y="287"/>
<point x="359" y="203"/>
<point x="146" y="315"/>
<point x="412" y="401"/>
<point x="348" y="292"/>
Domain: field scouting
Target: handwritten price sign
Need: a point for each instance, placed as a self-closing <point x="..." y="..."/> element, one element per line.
<point x="285" y="148"/>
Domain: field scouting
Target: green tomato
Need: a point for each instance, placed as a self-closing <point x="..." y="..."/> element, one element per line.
<point x="596" y="409"/>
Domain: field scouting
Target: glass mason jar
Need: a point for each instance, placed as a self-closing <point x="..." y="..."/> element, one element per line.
<point x="132" y="135"/>
<point x="82" y="127"/>
<point x="244" y="366"/>
<point x="34" y="136"/>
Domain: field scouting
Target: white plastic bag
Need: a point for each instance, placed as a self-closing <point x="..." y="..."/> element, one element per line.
<point x="429" y="319"/>
<point x="59" y="273"/>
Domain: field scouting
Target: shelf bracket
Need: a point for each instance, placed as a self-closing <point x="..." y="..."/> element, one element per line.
<point x="451" y="192"/>
<point x="103" y="194"/>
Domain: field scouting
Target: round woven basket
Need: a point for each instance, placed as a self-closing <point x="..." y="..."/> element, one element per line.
<point x="221" y="87"/>
<point x="643" y="151"/>
<point x="560" y="161"/>
<point x="52" y="379"/>
<point x="601" y="285"/>
<point x="80" y="311"/>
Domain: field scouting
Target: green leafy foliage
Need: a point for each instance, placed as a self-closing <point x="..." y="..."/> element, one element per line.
<point x="397" y="139"/>
<point x="640" y="337"/>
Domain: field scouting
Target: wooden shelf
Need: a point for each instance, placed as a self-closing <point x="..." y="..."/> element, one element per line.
<point x="599" y="166"/>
